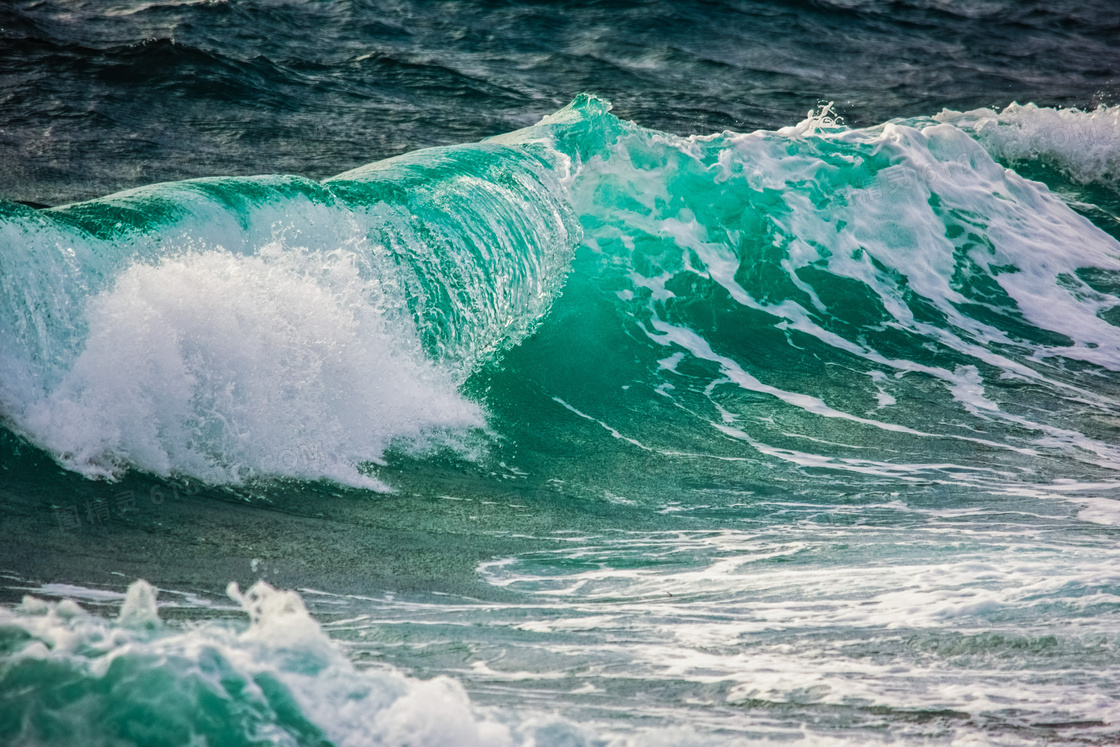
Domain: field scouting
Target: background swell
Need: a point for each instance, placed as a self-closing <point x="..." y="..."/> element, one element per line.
<point x="99" y="98"/>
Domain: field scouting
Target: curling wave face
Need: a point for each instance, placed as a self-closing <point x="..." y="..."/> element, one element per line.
<point x="223" y="328"/>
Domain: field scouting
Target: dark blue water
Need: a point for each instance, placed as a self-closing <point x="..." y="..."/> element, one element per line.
<point x="101" y="97"/>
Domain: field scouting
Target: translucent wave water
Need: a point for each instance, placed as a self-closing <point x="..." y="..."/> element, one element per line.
<point x="796" y="434"/>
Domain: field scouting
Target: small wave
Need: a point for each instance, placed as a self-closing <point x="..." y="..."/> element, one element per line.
<point x="279" y="681"/>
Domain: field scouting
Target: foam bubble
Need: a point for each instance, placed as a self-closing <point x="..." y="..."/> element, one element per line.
<point x="140" y="609"/>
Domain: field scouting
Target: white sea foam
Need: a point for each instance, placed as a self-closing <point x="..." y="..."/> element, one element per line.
<point x="1100" y="511"/>
<point x="219" y="681"/>
<point x="223" y="367"/>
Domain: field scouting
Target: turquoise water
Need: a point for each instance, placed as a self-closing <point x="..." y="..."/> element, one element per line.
<point x="583" y="434"/>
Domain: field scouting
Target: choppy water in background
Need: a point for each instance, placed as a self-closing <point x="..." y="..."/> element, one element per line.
<point x="724" y="414"/>
<point x="100" y="96"/>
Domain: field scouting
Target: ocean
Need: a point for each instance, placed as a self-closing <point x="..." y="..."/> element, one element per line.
<point x="556" y="374"/>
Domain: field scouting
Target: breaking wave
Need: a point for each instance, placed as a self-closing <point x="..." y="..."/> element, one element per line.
<point x="777" y="296"/>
